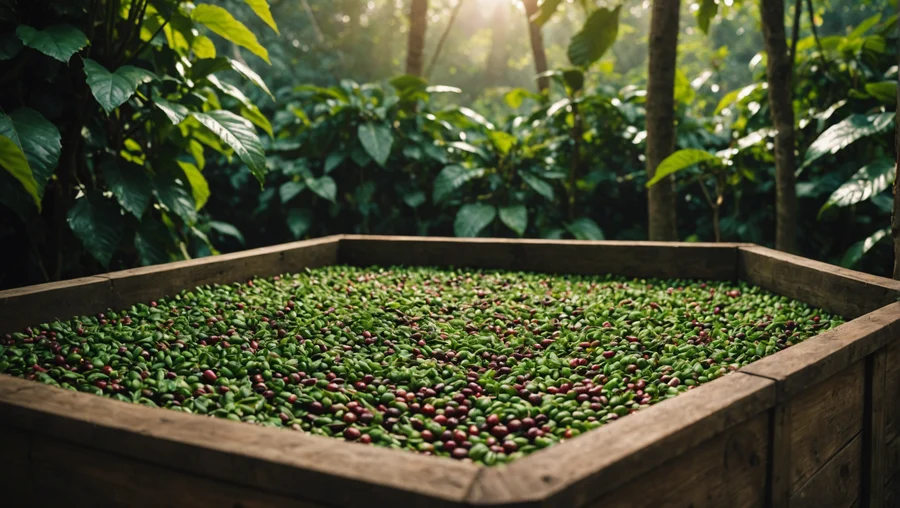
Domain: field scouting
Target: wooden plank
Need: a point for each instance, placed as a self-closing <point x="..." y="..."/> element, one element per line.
<point x="14" y="444"/>
<point x="292" y="464"/>
<point x="728" y="470"/>
<point x="838" y="483"/>
<point x="873" y="431"/>
<point x="835" y="289"/>
<point x="892" y="393"/>
<point x="33" y="305"/>
<point x="823" y="420"/>
<point x="892" y="461"/>
<point x="779" y="473"/>
<point x="814" y="360"/>
<point x="67" y="474"/>
<point x="635" y="259"/>
<point x="601" y="461"/>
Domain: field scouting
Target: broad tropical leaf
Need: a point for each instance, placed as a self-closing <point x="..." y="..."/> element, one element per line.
<point x="203" y="47"/>
<point x="867" y="182"/>
<point x="97" y="223"/>
<point x="585" y="229"/>
<point x="333" y="160"/>
<point x="289" y="190"/>
<point x="199" y="185"/>
<point x="472" y="218"/>
<point x="515" y="217"/>
<point x="451" y="178"/>
<point x="539" y="185"/>
<point x="57" y="41"/>
<point x="173" y="193"/>
<point x="223" y="24"/>
<point x="151" y="241"/>
<point x="846" y="131"/>
<point x="324" y="187"/>
<point x="39" y="140"/>
<point x="859" y="249"/>
<point x="595" y="38"/>
<point x="261" y="8"/>
<point x="129" y="183"/>
<point x="176" y="113"/>
<point x="707" y="11"/>
<point x="680" y="160"/>
<point x="299" y="221"/>
<point x="239" y="134"/>
<point x="502" y="141"/>
<point x="226" y="229"/>
<point x="884" y="91"/>
<point x="376" y="139"/>
<point x="515" y="97"/>
<point x="112" y="89"/>
<point x="13" y="160"/>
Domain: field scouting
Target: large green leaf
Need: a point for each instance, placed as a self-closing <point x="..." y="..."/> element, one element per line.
<point x="515" y="217"/>
<point x="39" y="140"/>
<point x="472" y="218"/>
<point x="227" y="229"/>
<point x="884" y="91"/>
<point x="239" y="134"/>
<point x="867" y="182"/>
<point x="585" y="229"/>
<point x="502" y="141"/>
<point x="684" y="93"/>
<point x="845" y="132"/>
<point x="151" y="241"/>
<point x="261" y="8"/>
<point x="112" y="89"/>
<point x="290" y="190"/>
<point x="539" y="185"/>
<point x="97" y="223"/>
<point x="223" y="24"/>
<point x="199" y="185"/>
<point x="679" y="160"/>
<point x="57" y="41"/>
<point x="172" y="191"/>
<point x="324" y="187"/>
<point x="299" y="220"/>
<point x="595" y="38"/>
<point x="376" y="139"/>
<point x="707" y="11"/>
<point x="13" y="160"/>
<point x="515" y="97"/>
<point x="129" y="183"/>
<point x="737" y="96"/>
<point x="205" y="67"/>
<point x="859" y="249"/>
<point x="176" y="113"/>
<point x="451" y="178"/>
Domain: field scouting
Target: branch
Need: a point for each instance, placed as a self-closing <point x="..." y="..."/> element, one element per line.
<point x="795" y="37"/>
<point x="440" y="46"/>
<point x="812" y="24"/>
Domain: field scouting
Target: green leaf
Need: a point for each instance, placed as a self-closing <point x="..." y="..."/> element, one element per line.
<point x="226" y="229"/>
<point x="289" y="190"/>
<point x="151" y="240"/>
<point x="502" y="141"/>
<point x="737" y="96"/>
<point x="324" y="187"/>
<point x="515" y="217"/>
<point x="333" y="160"/>
<point x="475" y="117"/>
<point x="595" y="38"/>
<point x="472" y="218"/>
<point x="205" y="67"/>
<point x="846" y="131"/>
<point x="376" y="139"/>
<point x="261" y="8"/>
<point x="299" y="221"/>
<point x="859" y="249"/>
<point x="13" y="160"/>
<point x="203" y="47"/>
<point x="176" y="113"/>
<point x="870" y="180"/>
<point x="172" y="192"/>
<point x="443" y="89"/>
<point x="707" y="11"/>
<point x="258" y="119"/>
<point x="451" y="178"/>
<point x="540" y="186"/>
<point x="573" y="79"/>
<point x="407" y="83"/>
<point x="679" y="160"/>
<point x="884" y="91"/>
<point x="199" y="185"/>
<point x="585" y="229"/>
<point x="57" y="41"/>
<point x="684" y="93"/>
<point x="865" y="26"/>
<point x="98" y="224"/>
<point x="239" y="134"/>
<point x="223" y="24"/>
<point x="515" y="97"/>
<point x="129" y="183"/>
<point x="545" y="12"/>
<point x="37" y="138"/>
<point x="414" y="199"/>
<point x="112" y="89"/>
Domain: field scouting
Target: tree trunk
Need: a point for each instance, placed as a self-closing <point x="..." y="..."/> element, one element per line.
<point x="778" y="70"/>
<point x="661" y="198"/>
<point x="537" y="46"/>
<point x="415" y="48"/>
<point x="895" y="218"/>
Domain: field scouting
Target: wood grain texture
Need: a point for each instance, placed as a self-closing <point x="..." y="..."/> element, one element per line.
<point x="601" y="461"/>
<point x="62" y="474"/>
<point x="892" y="461"/>
<point x="892" y="392"/>
<point x="286" y="463"/>
<point x="814" y="360"/>
<point x="838" y="483"/>
<point x="117" y="290"/>
<point x="726" y="471"/>
<point x="873" y="440"/>
<point x="835" y="289"/>
<point x="635" y="259"/>
<point x="824" y="419"/>
<point x="779" y="472"/>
